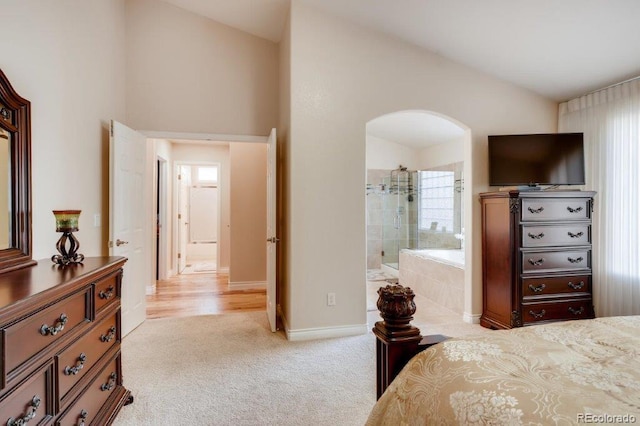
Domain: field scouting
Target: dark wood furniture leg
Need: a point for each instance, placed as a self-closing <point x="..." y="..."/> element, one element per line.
<point x="397" y="340"/>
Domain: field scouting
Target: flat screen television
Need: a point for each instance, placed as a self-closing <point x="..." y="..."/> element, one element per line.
<point x="536" y="159"/>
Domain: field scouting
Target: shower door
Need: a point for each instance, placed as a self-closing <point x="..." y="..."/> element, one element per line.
<point x="399" y="228"/>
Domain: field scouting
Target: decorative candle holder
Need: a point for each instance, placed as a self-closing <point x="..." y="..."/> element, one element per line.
<point x="67" y="223"/>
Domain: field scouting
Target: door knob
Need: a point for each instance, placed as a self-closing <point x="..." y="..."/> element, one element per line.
<point x="119" y="242"/>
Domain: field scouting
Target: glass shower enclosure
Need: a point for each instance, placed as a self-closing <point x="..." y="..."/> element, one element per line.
<point x="400" y="215"/>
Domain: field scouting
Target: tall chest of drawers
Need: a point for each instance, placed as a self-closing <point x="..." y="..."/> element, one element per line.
<point x="536" y="257"/>
<point x="61" y="332"/>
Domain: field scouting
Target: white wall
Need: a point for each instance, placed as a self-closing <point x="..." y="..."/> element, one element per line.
<point x="66" y="57"/>
<point x="187" y="73"/>
<point x="342" y="76"/>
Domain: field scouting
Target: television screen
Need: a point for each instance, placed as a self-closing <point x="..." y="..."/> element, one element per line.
<point x="536" y="159"/>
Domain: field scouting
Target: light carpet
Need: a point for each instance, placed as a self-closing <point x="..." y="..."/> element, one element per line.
<point x="232" y="370"/>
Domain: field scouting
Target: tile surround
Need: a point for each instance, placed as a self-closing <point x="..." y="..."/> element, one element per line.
<point x="441" y="283"/>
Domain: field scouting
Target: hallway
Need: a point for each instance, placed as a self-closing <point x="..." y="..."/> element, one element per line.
<point x="201" y="294"/>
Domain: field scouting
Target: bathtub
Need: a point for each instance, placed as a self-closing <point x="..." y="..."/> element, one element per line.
<point x="449" y="257"/>
<point x="435" y="274"/>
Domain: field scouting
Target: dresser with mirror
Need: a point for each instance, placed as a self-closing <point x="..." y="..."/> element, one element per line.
<point x="60" y="325"/>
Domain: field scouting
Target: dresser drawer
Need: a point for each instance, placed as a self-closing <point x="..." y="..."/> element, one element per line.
<point x="107" y="290"/>
<point x="554" y="311"/>
<point x="555" y="209"/>
<point x="29" y="336"/>
<point x="578" y="234"/>
<point x="549" y="286"/>
<point x="76" y="360"/>
<point x="88" y="405"/>
<point x="31" y="401"/>
<point x="555" y="261"/>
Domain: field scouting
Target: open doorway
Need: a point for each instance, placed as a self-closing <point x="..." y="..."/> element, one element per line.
<point x="198" y="217"/>
<point x="216" y="193"/>
<point x="416" y="217"/>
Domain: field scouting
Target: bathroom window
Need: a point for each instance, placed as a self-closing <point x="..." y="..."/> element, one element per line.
<point x="436" y="189"/>
<point x="207" y="174"/>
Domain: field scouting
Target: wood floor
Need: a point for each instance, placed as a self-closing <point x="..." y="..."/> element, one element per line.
<point x="201" y="294"/>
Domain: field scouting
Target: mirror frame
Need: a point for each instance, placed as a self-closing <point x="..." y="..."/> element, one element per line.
<point x="15" y="117"/>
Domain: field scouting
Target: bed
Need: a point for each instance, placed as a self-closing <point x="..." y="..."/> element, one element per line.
<point x="571" y="372"/>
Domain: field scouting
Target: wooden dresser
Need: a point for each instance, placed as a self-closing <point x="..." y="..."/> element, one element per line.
<point x="61" y="344"/>
<point x="536" y="257"/>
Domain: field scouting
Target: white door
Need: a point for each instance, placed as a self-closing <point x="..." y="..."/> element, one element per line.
<point x="203" y="214"/>
<point x="184" y="181"/>
<point x="271" y="229"/>
<point x="129" y="210"/>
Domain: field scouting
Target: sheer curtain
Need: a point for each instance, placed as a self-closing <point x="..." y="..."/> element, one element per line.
<point x="610" y="121"/>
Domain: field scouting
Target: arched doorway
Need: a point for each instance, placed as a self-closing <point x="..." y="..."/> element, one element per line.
<point x="416" y="164"/>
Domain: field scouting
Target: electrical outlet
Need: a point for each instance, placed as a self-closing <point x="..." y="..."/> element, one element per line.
<point x="331" y="299"/>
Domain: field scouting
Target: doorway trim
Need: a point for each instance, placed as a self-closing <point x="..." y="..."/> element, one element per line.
<point x="161" y="205"/>
<point x="197" y="138"/>
<point x="176" y="208"/>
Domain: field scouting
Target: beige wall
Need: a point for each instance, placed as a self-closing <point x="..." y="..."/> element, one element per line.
<point x="67" y="58"/>
<point x="71" y="59"/>
<point x="342" y="76"/>
<point x="248" y="262"/>
<point x="441" y="154"/>
<point x="388" y="155"/>
<point x="283" y="188"/>
<point x="187" y="73"/>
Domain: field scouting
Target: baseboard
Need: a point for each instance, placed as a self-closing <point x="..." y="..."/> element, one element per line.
<point x="223" y="270"/>
<point x="471" y="318"/>
<point x="283" y="319"/>
<point x="247" y="284"/>
<point x="324" y="332"/>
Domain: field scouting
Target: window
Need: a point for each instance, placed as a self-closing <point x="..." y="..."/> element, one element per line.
<point x="207" y="174"/>
<point x="436" y="189"/>
<point x="610" y="120"/>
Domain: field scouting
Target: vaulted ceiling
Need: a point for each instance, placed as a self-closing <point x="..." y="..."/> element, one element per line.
<point x="560" y="49"/>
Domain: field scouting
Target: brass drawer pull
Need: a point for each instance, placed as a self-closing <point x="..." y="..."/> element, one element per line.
<point x="536" y="262"/>
<point x="106" y="338"/>
<point x="576" y="210"/>
<point x="106" y="295"/>
<point x="536" y="236"/>
<point x="576" y="260"/>
<point x="576" y="286"/>
<point x="72" y="371"/>
<point x="82" y="418"/>
<point x="539" y="210"/>
<point x="538" y="315"/>
<point x="110" y="384"/>
<point x="29" y="415"/>
<point x="537" y="288"/>
<point x="54" y="329"/>
<point x="572" y="235"/>
<point x="576" y="311"/>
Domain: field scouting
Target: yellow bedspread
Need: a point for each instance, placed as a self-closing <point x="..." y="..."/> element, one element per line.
<point x="572" y="372"/>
